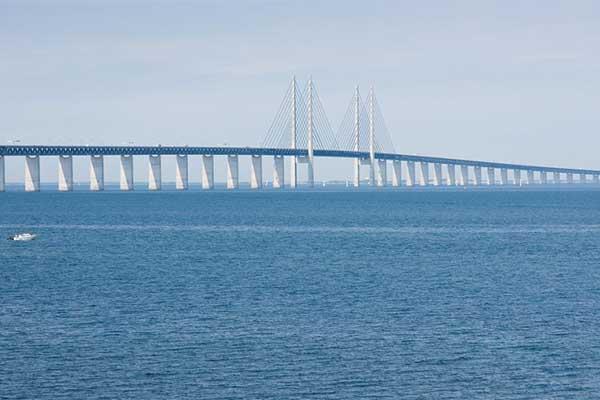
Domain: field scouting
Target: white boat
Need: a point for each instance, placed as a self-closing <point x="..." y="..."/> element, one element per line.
<point x="23" y="237"/>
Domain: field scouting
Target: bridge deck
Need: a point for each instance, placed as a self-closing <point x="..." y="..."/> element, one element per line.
<point x="16" y="150"/>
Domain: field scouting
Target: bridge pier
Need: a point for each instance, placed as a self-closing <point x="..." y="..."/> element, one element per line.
<point x="181" y="172"/>
<point x="293" y="172"/>
<point x="477" y="175"/>
<point x="32" y="173"/>
<point x="424" y="173"/>
<point x="372" y="173"/>
<point x="437" y="174"/>
<point x="310" y="178"/>
<point x="306" y="160"/>
<point x="154" y="172"/>
<point x="582" y="178"/>
<point x="491" y="175"/>
<point x="543" y="177"/>
<point x="233" y="180"/>
<point x="208" y="172"/>
<point x="382" y="173"/>
<point x="126" y="173"/>
<point x="570" y="178"/>
<point x="356" y="181"/>
<point x="451" y="169"/>
<point x="65" y="173"/>
<point x="96" y="173"/>
<point x="596" y="179"/>
<point x="310" y="175"/>
<point x="278" y="172"/>
<point x="556" y="178"/>
<point x="530" y="177"/>
<point x="396" y="173"/>
<point x="2" y="175"/>
<point x="503" y="176"/>
<point x="517" y="177"/>
<point x="410" y="178"/>
<point x="256" y="181"/>
<point x="367" y="162"/>
<point x="464" y="175"/>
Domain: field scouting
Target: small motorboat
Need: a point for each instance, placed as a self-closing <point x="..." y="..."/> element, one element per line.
<point x="22" y="237"/>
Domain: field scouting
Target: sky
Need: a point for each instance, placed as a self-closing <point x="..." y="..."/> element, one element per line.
<point x="506" y="81"/>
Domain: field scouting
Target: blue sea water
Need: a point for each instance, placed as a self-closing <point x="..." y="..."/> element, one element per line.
<point x="307" y="295"/>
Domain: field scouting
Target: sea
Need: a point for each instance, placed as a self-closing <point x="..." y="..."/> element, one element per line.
<point x="325" y="294"/>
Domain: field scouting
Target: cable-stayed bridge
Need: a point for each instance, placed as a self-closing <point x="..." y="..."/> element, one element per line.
<point x="300" y="132"/>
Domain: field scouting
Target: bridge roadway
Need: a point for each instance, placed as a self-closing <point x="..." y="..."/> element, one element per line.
<point x="34" y="150"/>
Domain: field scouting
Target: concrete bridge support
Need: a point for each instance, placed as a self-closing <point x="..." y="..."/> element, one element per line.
<point x="477" y="175"/>
<point x="503" y="176"/>
<point x="556" y="178"/>
<point x="517" y="176"/>
<point x="310" y="175"/>
<point x="356" y="181"/>
<point x="305" y="160"/>
<point x="491" y="175"/>
<point x="464" y="175"/>
<point x="208" y="172"/>
<point x="2" y="175"/>
<point x="373" y="172"/>
<point x="96" y="173"/>
<point x="181" y="172"/>
<point x="451" y="169"/>
<point x="65" y="173"/>
<point x="233" y="172"/>
<point x="570" y="178"/>
<point x="126" y="175"/>
<point x="256" y="181"/>
<point x="530" y="177"/>
<point x="424" y="173"/>
<point x="381" y="173"/>
<point x="32" y="173"/>
<point x="154" y="172"/>
<point x="366" y="162"/>
<point x="582" y="178"/>
<point x="543" y="177"/>
<point x="437" y="174"/>
<point x="294" y="172"/>
<point x="596" y="179"/>
<point x="278" y="172"/>
<point x="410" y="178"/>
<point x="396" y="173"/>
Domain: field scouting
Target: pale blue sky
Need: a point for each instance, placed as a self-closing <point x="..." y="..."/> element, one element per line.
<point x="514" y="81"/>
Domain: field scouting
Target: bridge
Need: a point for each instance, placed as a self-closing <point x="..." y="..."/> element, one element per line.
<point x="300" y="132"/>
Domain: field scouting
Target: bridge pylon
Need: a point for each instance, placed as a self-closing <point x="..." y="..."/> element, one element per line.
<point x="357" y="126"/>
<point x="300" y="123"/>
<point x="363" y="130"/>
<point x="294" y="134"/>
<point x="310" y="128"/>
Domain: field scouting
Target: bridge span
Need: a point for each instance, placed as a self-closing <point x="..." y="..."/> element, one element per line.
<point x="300" y="132"/>
<point x="418" y="170"/>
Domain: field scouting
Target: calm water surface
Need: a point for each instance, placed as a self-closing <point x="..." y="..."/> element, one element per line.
<point x="309" y="295"/>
